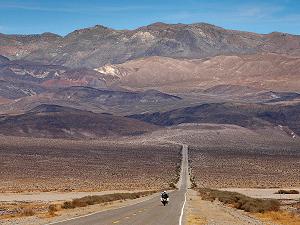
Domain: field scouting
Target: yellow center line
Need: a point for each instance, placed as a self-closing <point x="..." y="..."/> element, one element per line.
<point x="118" y="221"/>
<point x="127" y="217"/>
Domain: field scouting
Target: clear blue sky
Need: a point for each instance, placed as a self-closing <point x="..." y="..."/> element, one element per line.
<point x="64" y="16"/>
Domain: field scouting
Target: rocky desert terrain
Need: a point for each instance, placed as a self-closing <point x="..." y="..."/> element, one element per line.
<point x="257" y="166"/>
<point x="62" y="165"/>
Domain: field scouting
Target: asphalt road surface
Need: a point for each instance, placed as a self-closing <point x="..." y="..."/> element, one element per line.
<point x="149" y="212"/>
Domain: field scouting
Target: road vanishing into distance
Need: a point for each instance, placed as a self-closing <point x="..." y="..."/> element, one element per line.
<point x="149" y="212"/>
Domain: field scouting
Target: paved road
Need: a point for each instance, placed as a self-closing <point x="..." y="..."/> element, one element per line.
<point x="150" y="212"/>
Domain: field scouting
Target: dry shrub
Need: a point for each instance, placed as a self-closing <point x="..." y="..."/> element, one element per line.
<point x="98" y="199"/>
<point x="172" y="185"/>
<point x="27" y="212"/>
<point x="287" y="192"/>
<point x="177" y="171"/>
<point x="240" y="201"/>
<point x="68" y="205"/>
<point x="52" y="209"/>
<point x="193" y="182"/>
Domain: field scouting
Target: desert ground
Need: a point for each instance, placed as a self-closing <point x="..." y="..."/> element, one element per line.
<point x="62" y="165"/>
<point x="232" y="167"/>
<point x="232" y="156"/>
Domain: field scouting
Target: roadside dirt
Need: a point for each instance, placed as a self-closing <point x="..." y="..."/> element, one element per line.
<point x="200" y="212"/>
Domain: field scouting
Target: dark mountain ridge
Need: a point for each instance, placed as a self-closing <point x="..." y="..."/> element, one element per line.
<point x="112" y="97"/>
<point x="246" y="115"/>
<point x="54" y="121"/>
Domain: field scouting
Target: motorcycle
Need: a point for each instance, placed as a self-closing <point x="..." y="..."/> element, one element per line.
<point x="164" y="201"/>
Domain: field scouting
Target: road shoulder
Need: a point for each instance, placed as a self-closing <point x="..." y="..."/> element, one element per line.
<point x="201" y="212"/>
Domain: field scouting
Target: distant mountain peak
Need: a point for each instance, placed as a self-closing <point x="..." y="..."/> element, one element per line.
<point x="98" y="26"/>
<point x="49" y="34"/>
<point x="159" y="24"/>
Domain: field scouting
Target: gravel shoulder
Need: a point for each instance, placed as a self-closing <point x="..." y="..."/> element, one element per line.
<point x="202" y="212"/>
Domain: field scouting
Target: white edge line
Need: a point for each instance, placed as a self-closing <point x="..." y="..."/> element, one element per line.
<point x="181" y="215"/>
<point x="90" y="214"/>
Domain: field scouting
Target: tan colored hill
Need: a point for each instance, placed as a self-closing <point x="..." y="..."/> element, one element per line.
<point x="262" y="71"/>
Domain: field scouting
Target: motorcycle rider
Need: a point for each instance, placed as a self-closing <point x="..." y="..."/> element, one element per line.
<point x="164" y="195"/>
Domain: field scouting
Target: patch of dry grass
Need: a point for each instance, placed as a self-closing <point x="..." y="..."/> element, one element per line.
<point x="195" y="220"/>
<point x="280" y="217"/>
<point x="22" y="209"/>
<point x="240" y="201"/>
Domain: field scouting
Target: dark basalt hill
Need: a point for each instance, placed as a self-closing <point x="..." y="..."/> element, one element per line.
<point x="3" y="59"/>
<point x="245" y="115"/>
<point x="112" y="97"/>
<point x="97" y="46"/>
<point x="251" y="94"/>
<point x="54" y="121"/>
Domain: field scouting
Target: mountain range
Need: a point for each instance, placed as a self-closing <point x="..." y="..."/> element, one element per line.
<point x="96" y="46"/>
<point x="162" y="74"/>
